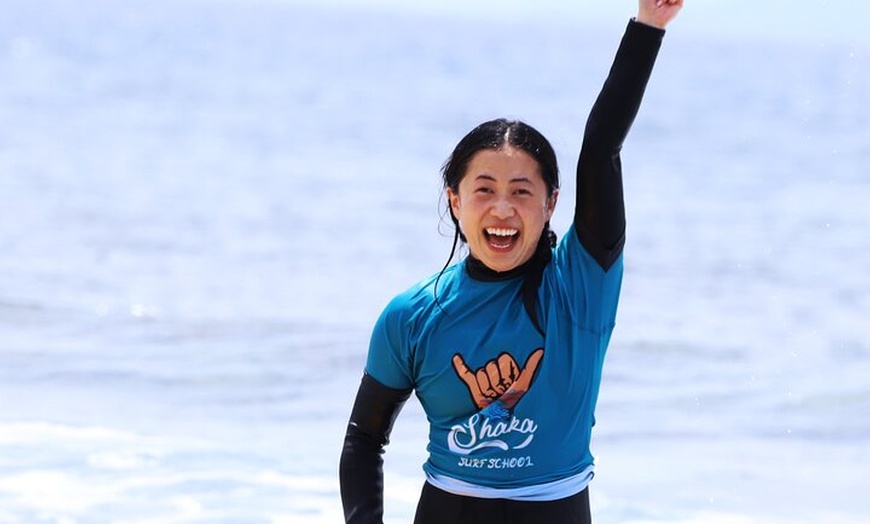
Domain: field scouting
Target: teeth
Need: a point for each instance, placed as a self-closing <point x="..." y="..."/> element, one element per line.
<point x="501" y="232"/>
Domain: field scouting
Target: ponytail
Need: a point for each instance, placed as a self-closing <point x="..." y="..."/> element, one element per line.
<point x="535" y="273"/>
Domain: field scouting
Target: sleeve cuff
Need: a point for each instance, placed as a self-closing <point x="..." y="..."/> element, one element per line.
<point x="642" y="28"/>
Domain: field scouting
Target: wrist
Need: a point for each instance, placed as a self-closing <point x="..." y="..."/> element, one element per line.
<point x="645" y="20"/>
<point x="649" y="25"/>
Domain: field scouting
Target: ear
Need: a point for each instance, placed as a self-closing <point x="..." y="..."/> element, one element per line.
<point x="453" y="198"/>
<point x="551" y="203"/>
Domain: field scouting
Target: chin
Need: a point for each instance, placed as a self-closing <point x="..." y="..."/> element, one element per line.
<point x="502" y="262"/>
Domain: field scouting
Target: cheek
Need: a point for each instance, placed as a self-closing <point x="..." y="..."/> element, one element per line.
<point x="551" y="204"/>
<point x="458" y="208"/>
<point x="454" y="204"/>
<point x="544" y="211"/>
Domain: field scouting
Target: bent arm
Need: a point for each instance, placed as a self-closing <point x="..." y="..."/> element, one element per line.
<point x="599" y="215"/>
<point x="361" y="467"/>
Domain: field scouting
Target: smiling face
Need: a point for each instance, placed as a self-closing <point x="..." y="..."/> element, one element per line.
<point x="502" y="204"/>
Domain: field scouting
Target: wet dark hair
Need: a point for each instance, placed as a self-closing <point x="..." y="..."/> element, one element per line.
<point x="495" y="135"/>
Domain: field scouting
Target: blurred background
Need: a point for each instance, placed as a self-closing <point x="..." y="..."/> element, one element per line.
<point x="205" y="204"/>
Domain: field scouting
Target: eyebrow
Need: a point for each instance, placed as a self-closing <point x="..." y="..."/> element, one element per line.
<point x="522" y="179"/>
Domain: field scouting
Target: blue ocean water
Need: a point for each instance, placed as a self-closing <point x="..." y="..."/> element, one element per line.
<point x="205" y="204"/>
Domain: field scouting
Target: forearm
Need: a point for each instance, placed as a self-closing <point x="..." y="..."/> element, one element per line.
<point x="618" y="102"/>
<point x="361" y="465"/>
<point x="599" y="216"/>
<point x="362" y="479"/>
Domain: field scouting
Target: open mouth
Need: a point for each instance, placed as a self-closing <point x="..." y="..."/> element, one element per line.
<point x="501" y="238"/>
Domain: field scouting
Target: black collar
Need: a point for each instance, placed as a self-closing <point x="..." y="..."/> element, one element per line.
<point x="479" y="271"/>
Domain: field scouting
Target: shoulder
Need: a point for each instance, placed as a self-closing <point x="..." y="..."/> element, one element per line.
<point x="579" y="272"/>
<point x="579" y="250"/>
<point x="395" y="334"/>
<point x="577" y="283"/>
<point x="399" y="328"/>
<point x="420" y="298"/>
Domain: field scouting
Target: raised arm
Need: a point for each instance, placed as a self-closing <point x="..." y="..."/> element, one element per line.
<point x="599" y="216"/>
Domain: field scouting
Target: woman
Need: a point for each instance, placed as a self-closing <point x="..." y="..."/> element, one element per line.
<point x="505" y="349"/>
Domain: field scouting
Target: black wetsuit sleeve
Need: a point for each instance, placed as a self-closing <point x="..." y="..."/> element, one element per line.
<point x="361" y="472"/>
<point x="599" y="216"/>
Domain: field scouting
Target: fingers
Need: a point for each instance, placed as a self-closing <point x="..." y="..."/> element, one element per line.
<point x="487" y="386"/>
<point x="462" y="369"/>
<point x="530" y="367"/>
<point x="492" y="379"/>
<point x="497" y="375"/>
<point x="508" y="368"/>
<point x="524" y="381"/>
<point x="470" y="380"/>
<point x="499" y="379"/>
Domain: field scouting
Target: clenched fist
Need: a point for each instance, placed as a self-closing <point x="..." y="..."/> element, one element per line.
<point x="658" y="13"/>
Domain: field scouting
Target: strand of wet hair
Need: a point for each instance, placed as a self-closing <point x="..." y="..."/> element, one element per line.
<point x="535" y="273"/>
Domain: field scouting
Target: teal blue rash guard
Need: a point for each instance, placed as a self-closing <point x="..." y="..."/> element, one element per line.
<point x="545" y="436"/>
<point x="510" y="406"/>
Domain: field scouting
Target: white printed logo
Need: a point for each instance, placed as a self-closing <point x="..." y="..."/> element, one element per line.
<point x="480" y="432"/>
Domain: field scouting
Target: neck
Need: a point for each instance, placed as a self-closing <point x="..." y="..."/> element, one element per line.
<point x="480" y="271"/>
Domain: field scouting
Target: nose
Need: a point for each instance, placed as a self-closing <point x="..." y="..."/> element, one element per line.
<point x="502" y="209"/>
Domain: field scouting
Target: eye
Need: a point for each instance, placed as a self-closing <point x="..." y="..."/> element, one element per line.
<point x="483" y="189"/>
<point x="523" y="192"/>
